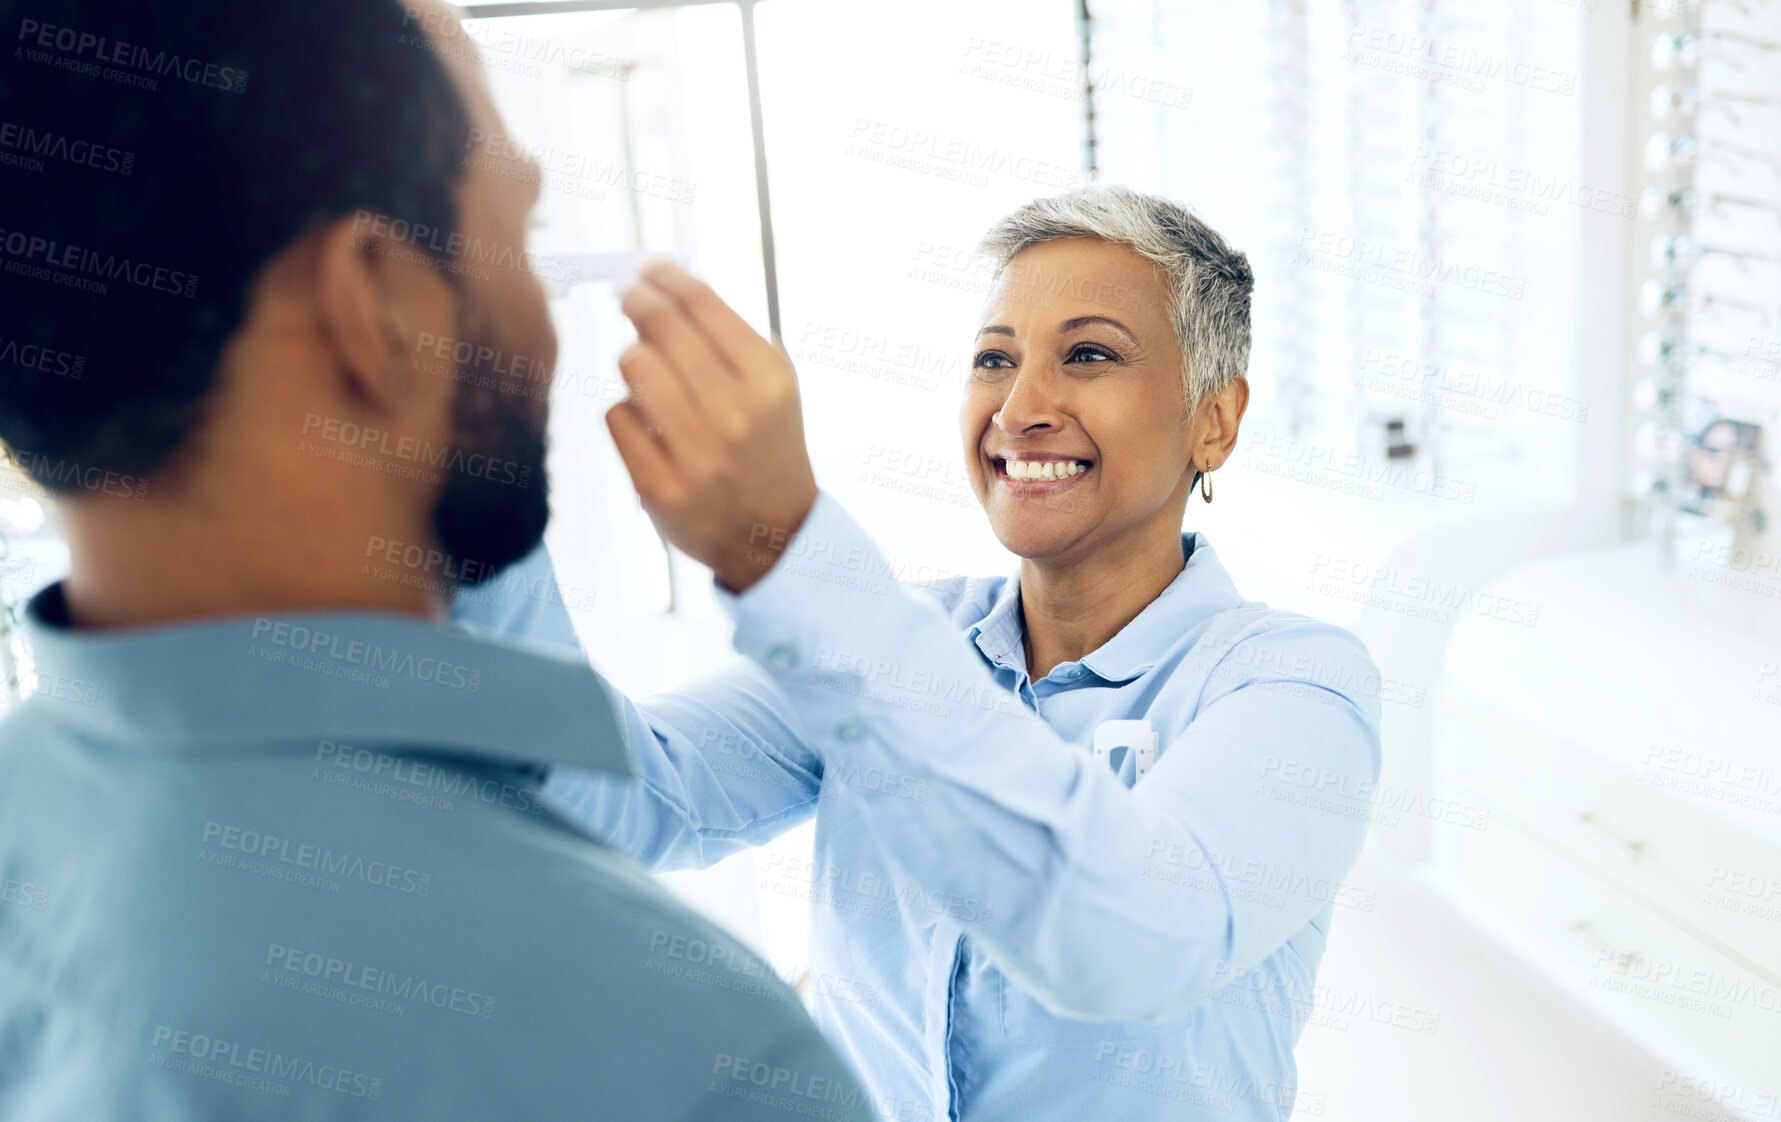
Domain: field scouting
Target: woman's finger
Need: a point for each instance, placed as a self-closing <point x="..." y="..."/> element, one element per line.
<point x="727" y="333"/>
<point x="661" y="322"/>
<point x="652" y="472"/>
<point x="660" y="393"/>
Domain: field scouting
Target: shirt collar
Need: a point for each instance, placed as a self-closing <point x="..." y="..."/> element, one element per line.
<point x="998" y="634"/>
<point x="254" y="684"/>
<point x="1201" y="589"/>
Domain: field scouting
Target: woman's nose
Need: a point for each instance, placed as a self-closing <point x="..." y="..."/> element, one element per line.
<point x="1029" y="407"/>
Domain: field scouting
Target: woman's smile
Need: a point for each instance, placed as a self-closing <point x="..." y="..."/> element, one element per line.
<point x="1038" y="473"/>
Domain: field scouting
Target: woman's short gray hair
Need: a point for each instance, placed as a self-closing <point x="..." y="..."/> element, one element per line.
<point x="1208" y="282"/>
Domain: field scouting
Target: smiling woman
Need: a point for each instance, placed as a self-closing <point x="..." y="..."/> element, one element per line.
<point x="1054" y="812"/>
<point x="1085" y="424"/>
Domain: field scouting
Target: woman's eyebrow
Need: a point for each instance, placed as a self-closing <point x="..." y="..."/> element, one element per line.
<point x="996" y="329"/>
<point x="1084" y="321"/>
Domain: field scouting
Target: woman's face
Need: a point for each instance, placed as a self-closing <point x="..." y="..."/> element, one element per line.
<point x="1074" y="418"/>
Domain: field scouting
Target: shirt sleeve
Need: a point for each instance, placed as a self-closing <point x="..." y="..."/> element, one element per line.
<point x="1105" y="902"/>
<point x="720" y="764"/>
<point x="523" y="600"/>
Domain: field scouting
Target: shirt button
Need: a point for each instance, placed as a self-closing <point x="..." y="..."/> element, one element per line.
<point x="850" y="731"/>
<point x="782" y="657"/>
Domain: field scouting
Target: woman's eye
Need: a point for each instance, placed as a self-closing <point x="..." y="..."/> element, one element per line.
<point x="1088" y="352"/>
<point x="992" y="360"/>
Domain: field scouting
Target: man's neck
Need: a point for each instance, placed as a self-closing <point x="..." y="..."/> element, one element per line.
<point x="162" y="564"/>
<point x="1072" y="610"/>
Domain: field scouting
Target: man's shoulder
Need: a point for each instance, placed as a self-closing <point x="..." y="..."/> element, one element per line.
<point x="678" y="1002"/>
<point x="280" y="910"/>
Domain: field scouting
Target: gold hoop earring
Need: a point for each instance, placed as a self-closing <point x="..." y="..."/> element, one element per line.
<point x="1206" y="485"/>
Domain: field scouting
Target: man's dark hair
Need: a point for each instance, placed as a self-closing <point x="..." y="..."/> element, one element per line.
<point x="155" y="157"/>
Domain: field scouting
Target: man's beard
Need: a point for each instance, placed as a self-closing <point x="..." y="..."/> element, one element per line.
<point x="496" y="499"/>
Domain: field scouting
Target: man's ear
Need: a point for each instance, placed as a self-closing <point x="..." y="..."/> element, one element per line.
<point x="359" y="315"/>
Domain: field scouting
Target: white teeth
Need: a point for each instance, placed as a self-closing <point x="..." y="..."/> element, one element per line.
<point x="1036" y="470"/>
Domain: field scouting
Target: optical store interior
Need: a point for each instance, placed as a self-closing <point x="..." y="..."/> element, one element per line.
<point x="1515" y="407"/>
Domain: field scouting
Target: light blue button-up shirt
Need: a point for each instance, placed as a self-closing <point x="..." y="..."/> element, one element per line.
<point x="1005" y="925"/>
<point x="299" y="867"/>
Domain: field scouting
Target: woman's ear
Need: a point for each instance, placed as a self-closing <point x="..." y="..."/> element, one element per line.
<point x="1224" y="413"/>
